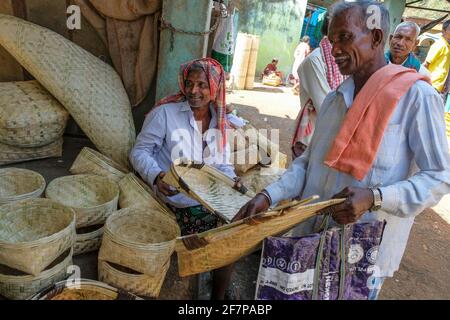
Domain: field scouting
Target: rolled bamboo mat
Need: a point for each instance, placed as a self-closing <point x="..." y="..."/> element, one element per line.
<point x="251" y="72"/>
<point x="241" y="59"/>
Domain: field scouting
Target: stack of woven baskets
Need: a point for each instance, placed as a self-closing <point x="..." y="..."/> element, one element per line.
<point x="32" y="122"/>
<point x="36" y="244"/>
<point x="136" y="250"/>
<point x="93" y="198"/>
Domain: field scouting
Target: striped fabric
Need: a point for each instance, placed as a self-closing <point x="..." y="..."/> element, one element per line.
<point x="305" y="125"/>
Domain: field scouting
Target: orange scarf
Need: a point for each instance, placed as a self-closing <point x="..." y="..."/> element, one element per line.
<point x="356" y="144"/>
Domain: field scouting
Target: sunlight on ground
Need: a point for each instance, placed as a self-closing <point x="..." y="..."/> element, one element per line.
<point x="271" y="101"/>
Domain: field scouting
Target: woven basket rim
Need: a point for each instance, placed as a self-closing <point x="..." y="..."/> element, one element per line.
<point x="44" y="240"/>
<point x="94" y="176"/>
<point x="44" y="274"/>
<point x="90" y="235"/>
<point x="102" y="160"/>
<point x="119" y="239"/>
<point x="40" y="190"/>
<point x="93" y="285"/>
<point x="107" y="264"/>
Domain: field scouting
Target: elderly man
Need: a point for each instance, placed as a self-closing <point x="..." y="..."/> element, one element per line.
<point x="438" y="60"/>
<point x="369" y="132"/>
<point x="402" y="44"/>
<point x="190" y="124"/>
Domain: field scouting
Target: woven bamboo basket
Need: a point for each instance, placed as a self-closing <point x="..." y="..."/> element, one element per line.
<point x="135" y="192"/>
<point x="10" y="154"/>
<point x="92" y="197"/>
<point x="16" y="285"/>
<point x="83" y="289"/>
<point x="88" y="239"/>
<point x="210" y="187"/>
<point x="86" y="86"/>
<point x="258" y="178"/>
<point x="129" y="280"/>
<point x="139" y="239"/>
<point x="29" y="115"/>
<point x="225" y="245"/>
<point x="33" y="233"/>
<point x="90" y="161"/>
<point x="20" y="184"/>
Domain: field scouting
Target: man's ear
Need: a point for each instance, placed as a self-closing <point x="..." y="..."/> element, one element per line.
<point x="415" y="45"/>
<point x="377" y="38"/>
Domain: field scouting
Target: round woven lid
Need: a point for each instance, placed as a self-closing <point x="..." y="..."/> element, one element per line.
<point x="82" y="191"/>
<point x="18" y="183"/>
<point x="33" y="220"/>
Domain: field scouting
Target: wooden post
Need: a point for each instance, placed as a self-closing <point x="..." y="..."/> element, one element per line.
<point x="177" y="48"/>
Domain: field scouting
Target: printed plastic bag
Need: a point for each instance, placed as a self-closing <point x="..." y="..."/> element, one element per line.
<point x="289" y="268"/>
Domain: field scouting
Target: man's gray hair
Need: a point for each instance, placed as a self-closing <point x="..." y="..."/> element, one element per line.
<point x="367" y="14"/>
<point x="409" y="24"/>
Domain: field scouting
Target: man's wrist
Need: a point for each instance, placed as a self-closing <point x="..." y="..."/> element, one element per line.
<point x="160" y="175"/>
<point x="267" y="196"/>
<point x="377" y="199"/>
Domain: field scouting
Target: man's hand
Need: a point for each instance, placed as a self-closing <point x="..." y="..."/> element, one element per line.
<point x="358" y="202"/>
<point x="258" y="204"/>
<point x="163" y="187"/>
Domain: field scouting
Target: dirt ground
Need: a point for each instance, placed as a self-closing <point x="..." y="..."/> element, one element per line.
<point x="425" y="267"/>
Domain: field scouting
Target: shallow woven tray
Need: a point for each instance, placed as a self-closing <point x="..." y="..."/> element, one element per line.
<point x="259" y="178"/>
<point x="137" y="283"/>
<point x="83" y="290"/>
<point x="19" y="286"/>
<point x="20" y="184"/>
<point x="92" y="197"/>
<point x="225" y="245"/>
<point x="33" y="233"/>
<point x="88" y="239"/>
<point x="135" y="192"/>
<point x="29" y="115"/>
<point x="139" y="239"/>
<point x="210" y="187"/>
<point x="10" y="154"/>
<point x="93" y="162"/>
<point x="86" y="86"/>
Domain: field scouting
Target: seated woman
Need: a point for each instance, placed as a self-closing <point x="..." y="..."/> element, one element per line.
<point x="271" y="68"/>
<point x="190" y="125"/>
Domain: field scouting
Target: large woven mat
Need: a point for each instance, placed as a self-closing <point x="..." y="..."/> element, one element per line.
<point x="225" y="245"/>
<point x="87" y="87"/>
<point x="210" y="187"/>
<point x="29" y="115"/>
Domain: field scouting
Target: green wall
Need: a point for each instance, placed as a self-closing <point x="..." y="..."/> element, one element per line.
<point x="278" y="23"/>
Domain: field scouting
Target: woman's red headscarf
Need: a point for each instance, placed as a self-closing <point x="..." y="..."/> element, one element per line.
<point x="216" y="79"/>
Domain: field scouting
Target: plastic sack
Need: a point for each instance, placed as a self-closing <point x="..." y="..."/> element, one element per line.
<point x="288" y="264"/>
